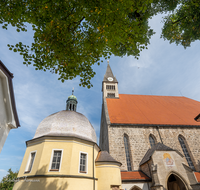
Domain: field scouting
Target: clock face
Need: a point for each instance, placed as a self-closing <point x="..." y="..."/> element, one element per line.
<point x="110" y="79"/>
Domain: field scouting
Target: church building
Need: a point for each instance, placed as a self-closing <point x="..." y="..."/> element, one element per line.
<point x="156" y="138"/>
<point x="64" y="154"/>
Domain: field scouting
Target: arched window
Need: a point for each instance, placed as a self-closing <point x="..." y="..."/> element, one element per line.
<point x="151" y="140"/>
<point x="186" y="153"/>
<point x="127" y="151"/>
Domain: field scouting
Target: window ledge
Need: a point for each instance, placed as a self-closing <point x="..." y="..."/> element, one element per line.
<point x="82" y="172"/>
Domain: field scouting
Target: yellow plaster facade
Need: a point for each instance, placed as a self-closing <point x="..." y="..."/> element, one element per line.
<point x="108" y="175"/>
<point x="98" y="176"/>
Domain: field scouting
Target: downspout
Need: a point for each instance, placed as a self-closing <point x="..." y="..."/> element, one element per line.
<point x="159" y="134"/>
<point x="93" y="170"/>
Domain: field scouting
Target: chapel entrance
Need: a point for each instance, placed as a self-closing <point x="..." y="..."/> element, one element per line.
<point x="175" y="183"/>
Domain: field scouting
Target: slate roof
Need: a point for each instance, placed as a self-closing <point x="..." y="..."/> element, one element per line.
<point x="104" y="156"/>
<point x="134" y="176"/>
<point x="66" y="123"/>
<point x="153" y="110"/>
<point x="197" y="174"/>
<point x="109" y="73"/>
<point x="149" y="153"/>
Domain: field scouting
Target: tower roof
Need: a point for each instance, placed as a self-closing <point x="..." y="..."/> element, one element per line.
<point x="108" y="74"/>
<point x="72" y="97"/>
<point x="104" y="156"/>
<point x="72" y="102"/>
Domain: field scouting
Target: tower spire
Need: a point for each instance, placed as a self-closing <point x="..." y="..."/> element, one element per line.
<point x="110" y="84"/>
<point x="71" y="102"/>
<point x="109" y="77"/>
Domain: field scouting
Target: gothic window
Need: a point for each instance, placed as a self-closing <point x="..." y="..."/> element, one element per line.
<point x="30" y="162"/>
<point x="151" y="140"/>
<point x="83" y="163"/>
<point x="111" y="95"/>
<point x="55" y="164"/>
<point x="186" y="153"/>
<point x="127" y="151"/>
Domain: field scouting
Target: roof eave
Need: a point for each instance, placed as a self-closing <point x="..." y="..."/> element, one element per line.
<point x="153" y="125"/>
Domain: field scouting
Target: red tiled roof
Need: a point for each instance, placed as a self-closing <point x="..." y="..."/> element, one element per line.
<point x="158" y="110"/>
<point x="197" y="174"/>
<point x="133" y="175"/>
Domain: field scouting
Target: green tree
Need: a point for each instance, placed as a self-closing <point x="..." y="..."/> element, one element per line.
<point x="183" y="25"/>
<point x="70" y="36"/>
<point x="8" y="181"/>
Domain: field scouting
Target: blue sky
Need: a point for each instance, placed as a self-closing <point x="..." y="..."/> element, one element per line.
<point x="163" y="69"/>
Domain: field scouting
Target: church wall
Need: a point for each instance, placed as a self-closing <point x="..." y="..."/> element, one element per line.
<point x="52" y="183"/>
<point x="139" y="142"/>
<point x="192" y="140"/>
<point x="108" y="174"/>
<point x="38" y="148"/>
<point x="69" y="160"/>
<point x="170" y="162"/>
<point x="4" y="113"/>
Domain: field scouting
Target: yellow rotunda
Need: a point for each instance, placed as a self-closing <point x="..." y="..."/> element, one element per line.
<point x="64" y="154"/>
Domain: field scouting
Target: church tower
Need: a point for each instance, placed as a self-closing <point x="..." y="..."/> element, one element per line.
<point x="110" y="91"/>
<point x="110" y="84"/>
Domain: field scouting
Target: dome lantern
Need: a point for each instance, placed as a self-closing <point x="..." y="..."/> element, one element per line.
<point x="71" y="102"/>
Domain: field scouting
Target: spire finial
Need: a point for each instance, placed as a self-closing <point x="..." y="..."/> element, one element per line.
<point x="108" y="61"/>
<point x="73" y="91"/>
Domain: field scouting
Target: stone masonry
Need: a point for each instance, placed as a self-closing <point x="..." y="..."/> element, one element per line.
<point x="139" y="142"/>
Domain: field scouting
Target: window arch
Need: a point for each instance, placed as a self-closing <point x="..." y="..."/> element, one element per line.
<point x="152" y="140"/>
<point x="186" y="153"/>
<point x="127" y="151"/>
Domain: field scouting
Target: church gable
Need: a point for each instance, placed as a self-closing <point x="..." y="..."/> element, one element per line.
<point x="157" y="147"/>
<point x="163" y="164"/>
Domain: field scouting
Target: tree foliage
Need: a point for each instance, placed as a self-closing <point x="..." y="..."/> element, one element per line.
<point x="70" y="36"/>
<point x="7" y="182"/>
<point x="183" y="25"/>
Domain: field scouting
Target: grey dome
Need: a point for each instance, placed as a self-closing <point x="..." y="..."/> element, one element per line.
<point x="66" y="123"/>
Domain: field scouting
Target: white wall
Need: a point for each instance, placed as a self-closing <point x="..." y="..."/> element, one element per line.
<point x="6" y="114"/>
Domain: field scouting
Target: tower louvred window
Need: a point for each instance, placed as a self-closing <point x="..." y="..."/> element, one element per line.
<point x="111" y="95"/>
<point x="110" y="87"/>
